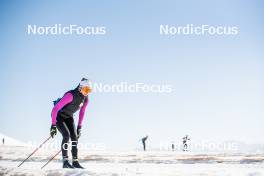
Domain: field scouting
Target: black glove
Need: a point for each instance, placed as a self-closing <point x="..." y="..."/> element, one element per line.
<point x="53" y="130"/>
<point x="79" y="131"/>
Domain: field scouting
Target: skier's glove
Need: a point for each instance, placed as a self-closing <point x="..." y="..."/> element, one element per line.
<point x="53" y="130"/>
<point x="79" y="131"/>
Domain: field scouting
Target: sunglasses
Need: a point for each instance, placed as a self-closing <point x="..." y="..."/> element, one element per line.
<point x="86" y="90"/>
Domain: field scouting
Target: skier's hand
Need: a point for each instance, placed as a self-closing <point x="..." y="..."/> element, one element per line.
<point x="53" y="130"/>
<point x="79" y="131"/>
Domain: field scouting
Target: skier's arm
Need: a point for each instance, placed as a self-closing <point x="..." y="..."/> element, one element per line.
<point x="82" y="112"/>
<point x="67" y="98"/>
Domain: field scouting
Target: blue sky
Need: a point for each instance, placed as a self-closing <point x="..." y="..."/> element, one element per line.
<point x="217" y="80"/>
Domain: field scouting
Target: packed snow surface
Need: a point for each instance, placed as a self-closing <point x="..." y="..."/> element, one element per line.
<point x="122" y="163"/>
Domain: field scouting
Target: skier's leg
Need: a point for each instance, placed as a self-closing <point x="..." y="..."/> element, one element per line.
<point x="73" y="133"/>
<point x="65" y="137"/>
<point x="185" y="147"/>
<point x="62" y="127"/>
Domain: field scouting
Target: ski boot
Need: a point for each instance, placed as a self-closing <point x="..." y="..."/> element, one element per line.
<point x="76" y="164"/>
<point x="66" y="164"/>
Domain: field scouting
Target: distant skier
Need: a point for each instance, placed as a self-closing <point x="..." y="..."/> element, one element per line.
<point x="184" y="140"/>
<point x="172" y="146"/>
<point x="144" y="142"/>
<point x="62" y="118"/>
<point x="3" y="141"/>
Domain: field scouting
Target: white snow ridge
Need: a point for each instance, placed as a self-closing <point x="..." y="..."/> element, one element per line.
<point x="10" y="141"/>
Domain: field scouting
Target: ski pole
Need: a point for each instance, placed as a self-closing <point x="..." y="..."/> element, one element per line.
<point x="34" y="151"/>
<point x="50" y="159"/>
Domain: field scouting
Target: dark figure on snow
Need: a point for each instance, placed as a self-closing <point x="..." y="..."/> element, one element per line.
<point x="172" y="146"/>
<point x="184" y="140"/>
<point x="62" y="119"/>
<point x="144" y="142"/>
<point x="3" y="140"/>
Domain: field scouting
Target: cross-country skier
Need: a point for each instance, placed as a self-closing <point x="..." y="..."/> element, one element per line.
<point x="184" y="141"/>
<point x="144" y="142"/>
<point x="62" y="119"/>
<point x="172" y="146"/>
